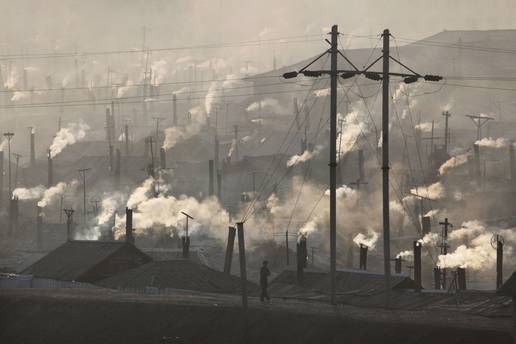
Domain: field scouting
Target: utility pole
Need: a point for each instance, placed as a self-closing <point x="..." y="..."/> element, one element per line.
<point x="69" y="222"/>
<point x="377" y="76"/>
<point x="479" y="121"/>
<point x="82" y="172"/>
<point x="9" y="136"/>
<point x="446" y="115"/>
<point x="186" y="226"/>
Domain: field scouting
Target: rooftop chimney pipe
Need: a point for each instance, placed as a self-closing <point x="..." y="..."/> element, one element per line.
<point x="363" y="257"/>
<point x="162" y="158"/>
<point x="229" y="250"/>
<point x="417" y="265"/>
<point x="129" y="225"/>
<point x="437" y="278"/>
<point x="13" y="215"/>
<point x="397" y="265"/>
<point x="302" y="253"/>
<point x="461" y="279"/>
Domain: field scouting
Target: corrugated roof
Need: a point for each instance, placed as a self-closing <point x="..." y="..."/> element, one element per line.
<point x="176" y="274"/>
<point x="74" y="259"/>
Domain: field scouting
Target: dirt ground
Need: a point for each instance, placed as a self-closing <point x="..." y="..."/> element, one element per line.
<point x="103" y="316"/>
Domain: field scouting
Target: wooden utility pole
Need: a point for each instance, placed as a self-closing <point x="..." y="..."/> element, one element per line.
<point x="479" y="121"/>
<point x="241" y="255"/>
<point x="69" y="222"/>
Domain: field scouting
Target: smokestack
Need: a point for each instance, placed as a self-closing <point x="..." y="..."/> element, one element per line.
<point x="32" y="148"/>
<point x="129" y="226"/>
<point x="476" y="169"/>
<point x="111" y="162"/>
<point x="437" y="278"/>
<point x="363" y="257"/>
<point x="39" y="227"/>
<point x="397" y="265"/>
<point x="417" y="265"/>
<point x="302" y="253"/>
<point x="461" y="279"/>
<point x="351" y="246"/>
<point x="126" y="131"/>
<point x="235" y="153"/>
<point x="219" y="185"/>
<point x="512" y="159"/>
<point x="229" y="250"/>
<point x="426" y="225"/>
<point x="174" y="109"/>
<point x="211" y="181"/>
<point x="162" y="158"/>
<point x="108" y="126"/>
<point x="361" y="174"/>
<point x="117" y="167"/>
<point x="499" y="261"/>
<point x="50" y="181"/>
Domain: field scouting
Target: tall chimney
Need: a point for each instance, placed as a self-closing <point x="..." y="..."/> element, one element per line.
<point x="39" y="227"/>
<point x="126" y="134"/>
<point x="363" y="257"/>
<point x="361" y="174"/>
<point x="111" y="159"/>
<point x="162" y="158"/>
<point x="397" y="265"/>
<point x="174" y="109"/>
<point x="301" y="256"/>
<point x="13" y="215"/>
<point x="32" y="148"/>
<point x="117" y="167"/>
<point x="235" y="153"/>
<point x="219" y="185"/>
<point x="229" y="250"/>
<point x="426" y="225"/>
<point x="476" y="150"/>
<point x="437" y="278"/>
<point x="461" y="279"/>
<point x="417" y="265"/>
<point x="50" y="181"/>
<point x="129" y="226"/>
<point x="499" y="262"/>
<point x="350" y="256"/>
<point x="108" y="126"/>
<point x="210" y="178"/>
<point x="512" y="166"/>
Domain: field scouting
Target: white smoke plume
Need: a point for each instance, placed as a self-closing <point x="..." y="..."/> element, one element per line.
<point x="453" y="162"/>
<point x="210" y="97"/>
<point x="353" y="126"/>
<point x="368" y="240"/>
<point x="109" y="205"/>
<point x="432" y="191"/>
<point x="232" y="148"/>
<point x="54" y="192"/>
<point x="124" y="89"/>
<point x="3" y="145"/>
<point x="424" y="127"/>
<point x="173" y="135"/>
<point x="405" y="254"/>
<point x="141" y="193"/>
<point x="492" y="143"/>
<point x="267" y="104"/>
<point x="430" y="239"/>
<point x="68" y="135"/>
<point x="307" y="155"/>
<point x="30" y="193"/>
<point x="19" y="95"/>
<point x="159" y="71"/>
<point x="325" y="92"/>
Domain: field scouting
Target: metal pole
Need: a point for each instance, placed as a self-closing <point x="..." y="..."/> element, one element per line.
<point x="241" y="254"/>
<point x="333" y="163"/>
<point x="286" y="245"/>
<point x="385" y="161"/>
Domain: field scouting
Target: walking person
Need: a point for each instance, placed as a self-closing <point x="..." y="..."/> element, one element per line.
<point x="264" y="282"/>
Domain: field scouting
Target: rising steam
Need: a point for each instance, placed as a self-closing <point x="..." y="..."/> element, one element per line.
<point x="68" y="135"/>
